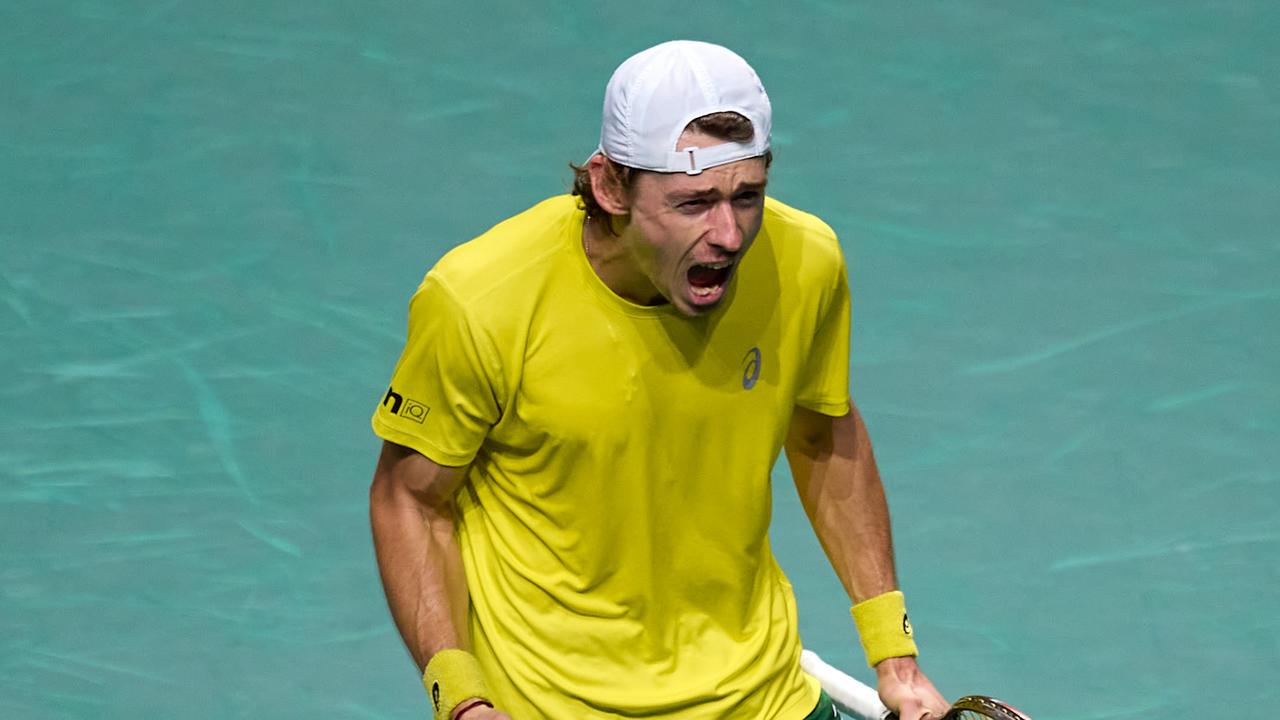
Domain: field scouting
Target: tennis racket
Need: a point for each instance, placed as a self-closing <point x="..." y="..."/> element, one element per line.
<point x="853" y="698"/>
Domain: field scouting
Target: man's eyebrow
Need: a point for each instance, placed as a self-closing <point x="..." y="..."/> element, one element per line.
<point x="679" y="195"/>
<point x="710" y="192"/>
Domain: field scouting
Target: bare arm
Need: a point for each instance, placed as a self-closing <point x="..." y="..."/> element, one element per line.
<point x="411" y="510"/>
<point x="835" y="473"/>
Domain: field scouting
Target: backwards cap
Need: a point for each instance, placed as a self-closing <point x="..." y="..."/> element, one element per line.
<point x="656" y="93"/>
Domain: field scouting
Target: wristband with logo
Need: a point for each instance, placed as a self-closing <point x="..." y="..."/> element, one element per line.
<point x="452" y="677"/>
<point x="884" y="628"/>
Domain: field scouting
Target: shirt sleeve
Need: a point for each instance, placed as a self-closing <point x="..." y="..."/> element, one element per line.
<point x="824" y="386"/>
<point x="445" y="393"/>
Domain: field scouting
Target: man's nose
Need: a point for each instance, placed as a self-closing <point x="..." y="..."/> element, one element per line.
<point x="725" y="233"/>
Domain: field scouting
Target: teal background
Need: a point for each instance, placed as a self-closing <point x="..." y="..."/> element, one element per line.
<point x="1061" y="223"/>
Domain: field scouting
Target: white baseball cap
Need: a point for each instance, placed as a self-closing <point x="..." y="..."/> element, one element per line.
<point x="656" y="93"/>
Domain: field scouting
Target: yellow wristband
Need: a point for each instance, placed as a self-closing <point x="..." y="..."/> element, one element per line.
<point x="451" y="677"/>
<point x="884" y="628"/>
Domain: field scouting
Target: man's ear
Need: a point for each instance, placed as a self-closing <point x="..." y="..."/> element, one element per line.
<point x="609" y="193"/>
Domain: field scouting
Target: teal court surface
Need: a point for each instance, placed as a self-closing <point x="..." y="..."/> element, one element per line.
<point x="1061" y="223"/>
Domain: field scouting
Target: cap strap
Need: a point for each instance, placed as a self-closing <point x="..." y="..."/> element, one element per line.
<point x="694" y="160"/>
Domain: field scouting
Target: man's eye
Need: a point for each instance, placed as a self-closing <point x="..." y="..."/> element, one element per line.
<point x="746" y="197"/>
<point x="696" y="204"/>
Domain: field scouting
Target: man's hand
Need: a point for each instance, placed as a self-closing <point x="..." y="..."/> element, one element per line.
<point x="905" y="690"/>
<point x="481" y="713"/>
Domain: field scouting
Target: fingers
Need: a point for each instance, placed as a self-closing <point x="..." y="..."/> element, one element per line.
<point x="904" y="686"/>
<point x="914" y="709"/>
<point x="937" y="706"/>
<point x="911" y="709"/>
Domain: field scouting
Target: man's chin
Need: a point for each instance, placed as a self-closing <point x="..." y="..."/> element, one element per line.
<point x="695" y="301"/>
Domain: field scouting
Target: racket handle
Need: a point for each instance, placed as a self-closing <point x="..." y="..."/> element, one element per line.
<point x="850" y="695"/>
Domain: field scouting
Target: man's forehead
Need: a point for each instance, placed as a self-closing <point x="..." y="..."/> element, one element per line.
<point x="735" y="175"/>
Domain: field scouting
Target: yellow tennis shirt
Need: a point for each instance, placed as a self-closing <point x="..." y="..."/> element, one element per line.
<point x="614" y="522"/>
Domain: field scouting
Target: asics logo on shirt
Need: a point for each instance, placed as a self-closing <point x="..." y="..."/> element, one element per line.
<point x="405" y="407"/>
<point x="751" y="368"/>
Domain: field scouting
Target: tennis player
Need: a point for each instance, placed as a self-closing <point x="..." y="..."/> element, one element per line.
<point x="571" y="505"/>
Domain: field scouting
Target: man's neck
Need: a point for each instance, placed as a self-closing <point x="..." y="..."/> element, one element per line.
<point x="614" y="264"/>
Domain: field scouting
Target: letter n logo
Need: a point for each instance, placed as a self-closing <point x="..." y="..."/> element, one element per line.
<point x="395" y="399"/>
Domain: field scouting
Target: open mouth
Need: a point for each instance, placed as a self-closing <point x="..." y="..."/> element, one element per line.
<point x="707" y="281"/>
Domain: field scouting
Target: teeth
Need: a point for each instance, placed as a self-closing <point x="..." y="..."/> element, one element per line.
<point x="717" y="266"/>
<point x="706" y="291"/>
